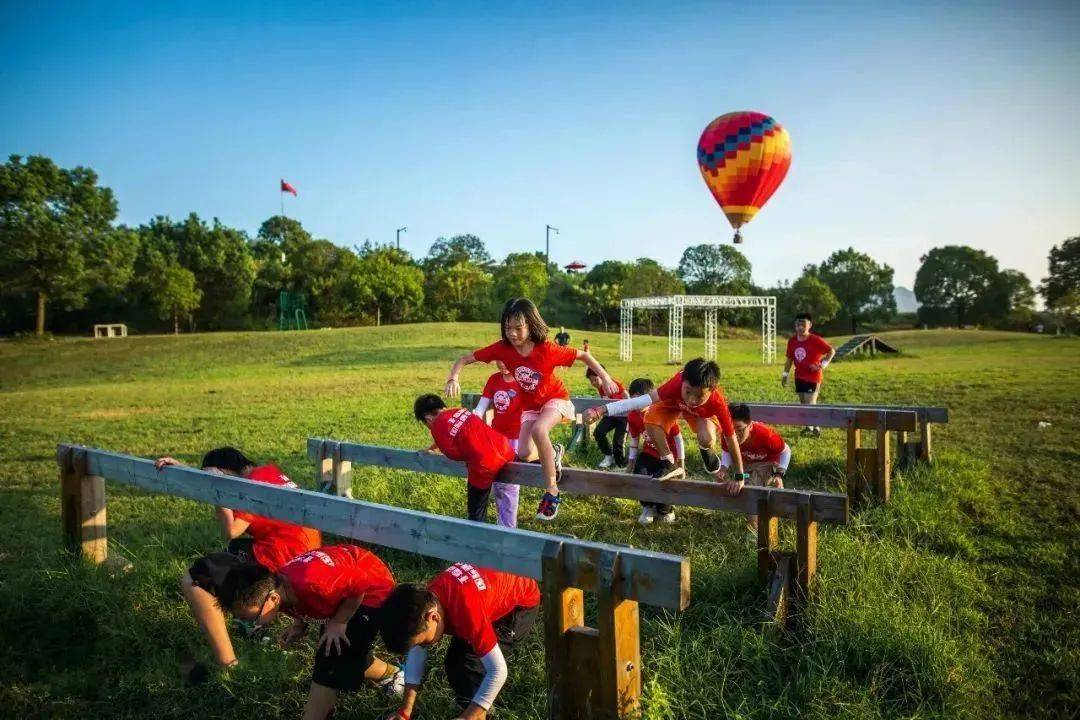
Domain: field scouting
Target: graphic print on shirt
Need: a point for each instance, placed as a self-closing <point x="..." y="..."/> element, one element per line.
<point x="502" y="399"/>
<point x="459" y="419"/>
<point x="464" y="572"/>
<point x="800" y="354"/>
<point x="527" y="378"/>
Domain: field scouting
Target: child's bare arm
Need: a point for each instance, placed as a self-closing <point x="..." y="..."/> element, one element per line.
<point x="453" y="389"/>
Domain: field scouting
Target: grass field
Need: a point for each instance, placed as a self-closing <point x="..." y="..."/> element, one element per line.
<point x="957" y="600"/>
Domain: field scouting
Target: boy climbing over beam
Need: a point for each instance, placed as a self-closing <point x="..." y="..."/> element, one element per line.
<point x="644" y="458"/>
<point x="694" y="393"/>
<point x="765" y="454"/>
<point x="810" y="355"/>
<point x="250" y="537"/>
<point x="340" y="587"/>
<point x="485" y="613"/>
<point x="461" y="435"/>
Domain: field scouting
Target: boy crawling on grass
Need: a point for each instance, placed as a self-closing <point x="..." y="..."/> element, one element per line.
<point x="339" y="587"/>
<point x="250" y="537"/>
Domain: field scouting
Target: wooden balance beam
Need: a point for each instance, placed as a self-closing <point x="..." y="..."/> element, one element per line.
<point x="805" y="508"/>
<point x="591" y="672"/>
<point x="865" y="467"/>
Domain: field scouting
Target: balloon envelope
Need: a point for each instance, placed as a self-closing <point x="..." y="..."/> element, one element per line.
<point x="743" y="157"/>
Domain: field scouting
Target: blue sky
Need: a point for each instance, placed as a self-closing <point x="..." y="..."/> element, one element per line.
<point x="913" y="125"/>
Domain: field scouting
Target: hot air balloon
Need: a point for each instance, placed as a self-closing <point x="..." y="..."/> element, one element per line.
<point x="743" y="157"/>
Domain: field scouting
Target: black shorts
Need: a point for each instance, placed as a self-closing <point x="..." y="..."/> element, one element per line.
<point x="465" y="671"/>
<point x="209" y="571"/>
<point x="647" y="465"/>
<point x="345" y="670"/>
<point x="802" y="386"/>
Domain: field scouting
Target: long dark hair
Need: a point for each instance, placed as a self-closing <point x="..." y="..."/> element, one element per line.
<point x="538" y="329"/>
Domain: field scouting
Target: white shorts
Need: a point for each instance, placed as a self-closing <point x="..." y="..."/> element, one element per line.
<point x="563" y="406"/>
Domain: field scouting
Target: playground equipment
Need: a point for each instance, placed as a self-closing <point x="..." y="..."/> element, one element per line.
<point x="291" y="314"/>
<point x="675" y="305"/>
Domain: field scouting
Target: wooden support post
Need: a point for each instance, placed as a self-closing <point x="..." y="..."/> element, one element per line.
<point x="564" y="611"/>
<point x="341" y="471"/>
<point x="324" y="466"/>
<point x="805" y="552"/>
<point x="855" y="479"/>
<point x="883" y="465"/>
<point x="779" y="603"/>
<point x="82" y="507"/>
<point x="925" y="453"/>
<point x="620" y="649"/>
<point x="900" y="439"/>
<point x="767" y="540"/>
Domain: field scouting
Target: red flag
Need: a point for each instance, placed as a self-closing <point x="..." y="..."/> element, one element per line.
<point x="286" y="187"/>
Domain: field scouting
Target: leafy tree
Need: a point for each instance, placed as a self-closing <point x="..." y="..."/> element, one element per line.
<point x="649" y="278"/>
<point x="461" y="291"/>
<point x="56" y="236"/>
<point x="521" y="275"/>
<point x="447" y="252"/>
<point x="1064" y="277"/>
<point x="388" y="284"/>
<point x="1011" y="300"/>
<point x="603" y="288"/>
<point x="863" y="286"/>
<point x="955" y="277"/>
<point x="174" y="292"/>
<point x="562" y="304"/>
<point x="810" y="294"/>
<point x="714" y="270"/>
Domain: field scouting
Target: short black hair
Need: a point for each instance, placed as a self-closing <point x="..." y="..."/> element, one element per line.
<point x="590" y="373"/>
<point x="702" y="373"/>
<point x="739" y="411"/>
<point x="427" y="404"/>
<point x="804" y="316"/>
<point x="246" y="584"/>
<point x="640" y="386"/>
<point x="526" y="308"/>
<point x="227" y="458"/>
<point x="402" y="616"/>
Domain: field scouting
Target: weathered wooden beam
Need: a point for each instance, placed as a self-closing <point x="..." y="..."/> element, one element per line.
<point x="882" y="465"/>
<point x="768" y="538"/>
<point x="832" y="416"/>
<point x="619" y="644"/>
<point x="82" y="506"/>
<point x="828" y="507"/>
<point x="778" y="606"/>
<point x="805" y="553"/>
<point x="653" y="578"/>
<point x="564" y="610"/>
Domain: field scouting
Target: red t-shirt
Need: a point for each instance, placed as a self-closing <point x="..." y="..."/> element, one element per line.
<point x="535" y="373"/>
<point x="636" y="426"/>
<point x="716" y="406"/>
<point x="763" y="444"/>
<point x="276" y="542"/>
<point x="322" y="578"/>
<point x="507" y="401"/>
<point x="804" y="353"/>
<point x="473" y="599"/>
<point x="461" y="435"/>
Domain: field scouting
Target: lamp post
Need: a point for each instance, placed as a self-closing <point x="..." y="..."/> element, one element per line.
<point x="547" y="243"/>
<point x="399" y="231"/>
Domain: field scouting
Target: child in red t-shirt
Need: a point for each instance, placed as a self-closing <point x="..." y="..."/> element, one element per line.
<point x="250" y="537"/>
<point x="461" y="435"/>
<point x="810" y="355"/>
<point x="765" y="454"/>
<point x="694" y="394"/>
<point x="341" y="588"/>
<point x="614" y="453"/>
<point x="532" y="359"/>
<point x="645" y="457"/>
<point x="504" y="398"/>
<point x="485" y="612"/>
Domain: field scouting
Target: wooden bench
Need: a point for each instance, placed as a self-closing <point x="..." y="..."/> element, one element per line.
<point x="866" y="467"/>
<point x="806" y="508"/>
<point x="621" y="577"/>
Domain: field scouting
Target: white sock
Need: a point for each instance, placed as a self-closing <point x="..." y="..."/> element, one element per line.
<point x="670" y="457"/>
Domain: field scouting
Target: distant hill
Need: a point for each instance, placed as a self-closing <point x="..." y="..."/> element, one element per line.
<point x="905" y="300"/>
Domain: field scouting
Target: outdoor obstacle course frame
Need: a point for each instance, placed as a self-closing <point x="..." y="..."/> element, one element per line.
<point x="607" y="686"/>
<point x="676" y="304"/>
<point x="866" y="468"/>
<point x="797" y="572"/>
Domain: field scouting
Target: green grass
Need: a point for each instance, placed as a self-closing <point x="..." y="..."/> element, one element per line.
<point x="957" y="600"/>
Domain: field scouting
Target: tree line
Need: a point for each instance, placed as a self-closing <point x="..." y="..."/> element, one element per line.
<point x="66" y="264"/>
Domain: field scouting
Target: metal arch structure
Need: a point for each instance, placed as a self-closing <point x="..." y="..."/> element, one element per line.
<point x="676" y="304"/>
